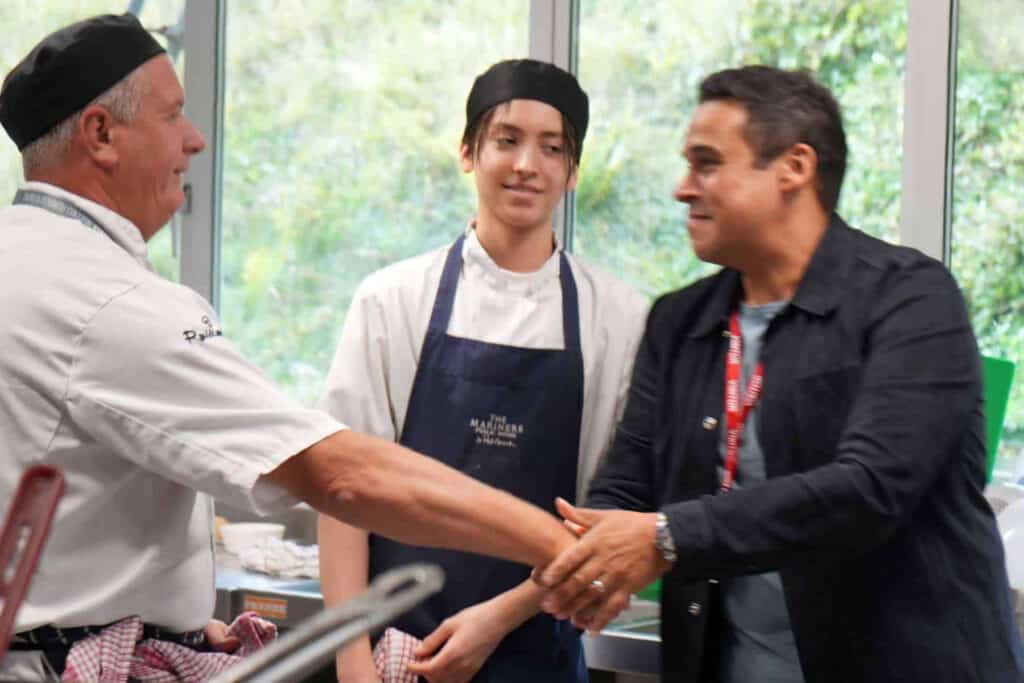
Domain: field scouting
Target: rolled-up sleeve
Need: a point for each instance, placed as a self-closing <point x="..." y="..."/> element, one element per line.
<point x="156" y="381"/>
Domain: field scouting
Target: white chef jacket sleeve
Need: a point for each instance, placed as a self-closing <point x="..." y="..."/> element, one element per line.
<point x="155" y="382"/>
<point x="613" y="313"/>
<point x="633" y="323"/>
<point x="358" y="382"/>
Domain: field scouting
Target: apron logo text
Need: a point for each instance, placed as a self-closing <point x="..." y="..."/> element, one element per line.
<point x="496" y="430"/>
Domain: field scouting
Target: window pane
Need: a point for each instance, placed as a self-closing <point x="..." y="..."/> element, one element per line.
<point x="342" y="128"/>
<point x="641" y="62"/>
<point x="23" y="24"/>
<point x="988" y="177"/>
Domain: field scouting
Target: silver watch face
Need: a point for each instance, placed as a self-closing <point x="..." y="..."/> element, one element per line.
<point x="663" y="540"/>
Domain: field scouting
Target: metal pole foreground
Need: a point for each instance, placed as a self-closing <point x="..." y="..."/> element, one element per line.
<point x="305" y="649"/>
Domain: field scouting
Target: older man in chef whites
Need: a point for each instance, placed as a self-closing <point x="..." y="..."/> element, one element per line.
<point x="128" y="383"/>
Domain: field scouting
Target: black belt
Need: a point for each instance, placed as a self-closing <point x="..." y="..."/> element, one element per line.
<point x="47" y="637"/>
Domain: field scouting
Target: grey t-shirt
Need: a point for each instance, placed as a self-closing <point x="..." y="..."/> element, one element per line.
<point x="759" y="640"/>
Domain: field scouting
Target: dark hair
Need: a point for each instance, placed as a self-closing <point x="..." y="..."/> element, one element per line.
<point x="786" y="108"/>
<point x="473" y="135"/>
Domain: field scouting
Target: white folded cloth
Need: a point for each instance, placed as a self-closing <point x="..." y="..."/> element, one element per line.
<point x="282" y="558"/>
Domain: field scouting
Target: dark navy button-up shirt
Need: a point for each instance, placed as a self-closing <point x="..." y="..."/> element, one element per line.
<point x="871" y="425"/>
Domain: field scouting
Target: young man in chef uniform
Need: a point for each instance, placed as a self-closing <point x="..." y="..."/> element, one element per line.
<point x="500" y="355"/>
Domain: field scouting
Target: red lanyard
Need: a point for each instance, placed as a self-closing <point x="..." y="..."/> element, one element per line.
<point x="735" y="414"/>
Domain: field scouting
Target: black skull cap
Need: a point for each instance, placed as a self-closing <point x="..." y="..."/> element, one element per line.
<point x="68" y="69"/>
<point x="529" y="79"/>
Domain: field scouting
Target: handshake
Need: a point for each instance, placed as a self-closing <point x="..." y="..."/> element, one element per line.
<point x="591" y="580"/>
<point x="603" y="558"/>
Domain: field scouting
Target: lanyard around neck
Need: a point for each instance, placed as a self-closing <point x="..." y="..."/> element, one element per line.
<point x="56" y="205"/>
<point x="736" y="413"/>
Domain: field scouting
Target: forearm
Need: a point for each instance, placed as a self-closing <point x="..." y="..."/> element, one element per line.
<point x="516" y="605"/>
<point x="388" y="489"/>
<point x="344" y="558"/>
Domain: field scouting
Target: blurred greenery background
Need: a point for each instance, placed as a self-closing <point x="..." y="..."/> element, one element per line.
<point x="343" y="119"/>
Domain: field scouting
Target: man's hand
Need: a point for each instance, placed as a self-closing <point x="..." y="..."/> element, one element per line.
<point x="457" y="649"/>
<point x="218" y="639"/>
<point x="593" y="580"/>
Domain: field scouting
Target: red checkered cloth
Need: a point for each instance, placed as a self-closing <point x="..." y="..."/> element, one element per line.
<point x="392" y="656"/>
<point x="115" y="654"/>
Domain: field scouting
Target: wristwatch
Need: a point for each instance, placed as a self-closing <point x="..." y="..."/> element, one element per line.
<point x="663" y="539"/>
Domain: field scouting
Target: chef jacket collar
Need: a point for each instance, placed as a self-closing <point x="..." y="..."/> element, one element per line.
<point x="120" y="230"/>
<point x="476" y="259"/>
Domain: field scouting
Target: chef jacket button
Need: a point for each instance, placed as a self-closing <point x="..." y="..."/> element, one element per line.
<point x="709" y="423"/>
<point x="694" y="609"/>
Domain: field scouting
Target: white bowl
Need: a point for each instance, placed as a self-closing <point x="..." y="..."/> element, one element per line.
<point x="239" y="536"/>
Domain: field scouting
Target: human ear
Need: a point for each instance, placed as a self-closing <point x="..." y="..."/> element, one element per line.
<point x="798" y="168"/>
<point x="465" y="158"/>
<point x="96" y="129"/>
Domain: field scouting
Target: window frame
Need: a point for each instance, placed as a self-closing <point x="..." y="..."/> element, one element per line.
<point x="929" y="87"/>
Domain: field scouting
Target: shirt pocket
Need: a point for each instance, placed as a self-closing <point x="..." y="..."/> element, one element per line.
<point x="822" y="406"/>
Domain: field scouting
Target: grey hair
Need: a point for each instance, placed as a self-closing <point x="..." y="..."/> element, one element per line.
<point x="123" y="100"/>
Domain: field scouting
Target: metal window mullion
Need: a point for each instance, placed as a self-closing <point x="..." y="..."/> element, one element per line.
<point x="554" y="26"/>
<point x="928" y="119"/>
<point x="204" y="97"/>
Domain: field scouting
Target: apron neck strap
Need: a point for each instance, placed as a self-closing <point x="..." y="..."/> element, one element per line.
<point x="445" y="298"/>
<point x="570" y="305"/>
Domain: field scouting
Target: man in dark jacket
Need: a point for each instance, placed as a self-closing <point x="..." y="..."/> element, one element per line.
<point x="802" y="454"/>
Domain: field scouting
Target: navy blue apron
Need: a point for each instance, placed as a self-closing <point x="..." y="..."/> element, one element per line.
<point x="509" y="417"/>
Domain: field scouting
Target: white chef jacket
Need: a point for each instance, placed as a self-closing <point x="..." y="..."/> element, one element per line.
<point x="371" y="377"/>
<point x="121" y="379"/>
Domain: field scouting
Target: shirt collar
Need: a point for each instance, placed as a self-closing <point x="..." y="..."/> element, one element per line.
<point x="819" y="290"/>
<point x="476" y="260"/>
<point x="120" y="230"/>
<point x="825" y="279"/>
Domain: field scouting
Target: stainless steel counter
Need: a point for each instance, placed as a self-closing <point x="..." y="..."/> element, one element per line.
<point x="629" y="646"/>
